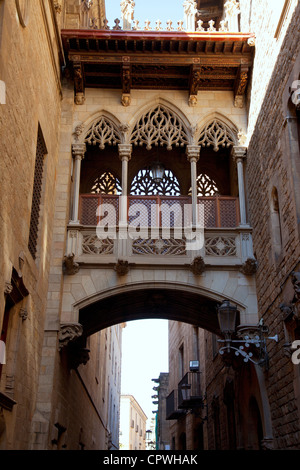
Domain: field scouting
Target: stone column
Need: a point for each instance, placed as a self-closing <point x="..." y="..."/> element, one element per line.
<point x="193" y="153"/>
<point x="125" y="151"/>
<point x="127" y="10"/>
<point x="239" y="154"/>
<point x="78" y="151"/>
<point x="232" y="11"/>
<point x="190" y="10"/>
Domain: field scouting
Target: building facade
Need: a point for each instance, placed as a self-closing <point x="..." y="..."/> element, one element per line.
<point x="132" y="424"/>
<point x="159" y="175"/>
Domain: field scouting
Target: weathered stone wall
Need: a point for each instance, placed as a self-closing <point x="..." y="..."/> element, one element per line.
<point x="270" y="164"/>
<point x="26" y="59"/>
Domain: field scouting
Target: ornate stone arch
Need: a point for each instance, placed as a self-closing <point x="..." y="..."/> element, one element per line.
<point x="217" y="134"/>
<point x="160" y="125"/>
<point x="102" y="129"/>
<point x="216" y="131"/>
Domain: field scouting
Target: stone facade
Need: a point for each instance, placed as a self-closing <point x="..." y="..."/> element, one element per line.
<point x="63" y="308"/>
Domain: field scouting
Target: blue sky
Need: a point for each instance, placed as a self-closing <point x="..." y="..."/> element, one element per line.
<point x="152" y="10"/>
<point x="145" y="356"/>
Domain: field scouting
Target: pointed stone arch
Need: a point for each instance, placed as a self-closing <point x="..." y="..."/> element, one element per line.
<point x="216" y="133"/>
<point x="101" y="129"/>
<point x="160" y="125"/>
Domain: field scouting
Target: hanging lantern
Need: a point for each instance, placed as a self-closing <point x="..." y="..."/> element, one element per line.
<point x="157" y="172"/>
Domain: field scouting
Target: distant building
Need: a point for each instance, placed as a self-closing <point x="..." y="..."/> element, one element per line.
<point x="132" y="424"/>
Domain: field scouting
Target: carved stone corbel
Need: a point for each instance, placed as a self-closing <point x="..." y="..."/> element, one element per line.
<point x="68" y="332"/>
<point x="69" y="265"/>
<point x="122" y="267"/>
<point x="198" y="266"/>
<point x="249" y="267"/>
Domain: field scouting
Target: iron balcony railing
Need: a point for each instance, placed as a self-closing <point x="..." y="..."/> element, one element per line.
<point x="172" y="410"/>
<point x="148" y="211"/>
<point x="189" y="391"/>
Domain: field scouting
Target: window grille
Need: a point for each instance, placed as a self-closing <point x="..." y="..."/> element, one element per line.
<point x="206" y="186"/>
<point x="107" y="183"/>
<point x="37" y="193"/>
<point x="144" y="185"/>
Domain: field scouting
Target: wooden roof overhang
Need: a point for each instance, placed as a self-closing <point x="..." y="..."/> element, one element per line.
<point x="129" y="60"/>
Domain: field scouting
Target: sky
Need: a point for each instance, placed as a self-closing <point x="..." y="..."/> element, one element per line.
<point x="152" y="10"/>
<point x="144" y="357"/>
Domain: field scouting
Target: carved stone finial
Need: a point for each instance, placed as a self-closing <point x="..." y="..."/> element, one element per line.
<point x="68" y="332"/>
<point x="249" y="267"/>
<point x="198" y="265"/>
<point x="69" y="264"/>
<point x="122" y="267"/>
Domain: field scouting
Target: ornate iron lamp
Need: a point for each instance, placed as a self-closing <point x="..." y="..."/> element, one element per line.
<point x="157" y="172"/>
<point x="247" y="336"/>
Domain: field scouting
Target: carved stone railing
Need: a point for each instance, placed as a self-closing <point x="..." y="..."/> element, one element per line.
<point x="219" y="241"/>
<point x="190" y="21"/>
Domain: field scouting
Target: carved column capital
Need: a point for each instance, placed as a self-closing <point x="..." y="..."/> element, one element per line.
<point x="193" y="152"/>
<point x="125" y="151"/>
<point x="69" y="332"/>
<point x="239" y="153"/>
<point x="78" y="150"/>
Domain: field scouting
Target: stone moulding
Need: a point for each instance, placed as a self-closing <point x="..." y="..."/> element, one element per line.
<point x="68" y="332"/>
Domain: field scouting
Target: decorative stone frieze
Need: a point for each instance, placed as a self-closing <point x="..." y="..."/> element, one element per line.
<point x="68" y="332"/>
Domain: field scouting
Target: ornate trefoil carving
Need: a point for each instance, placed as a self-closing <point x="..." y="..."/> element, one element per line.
<point x="127" y="10"/>
<point x="92" y="245"/>
<point x="220" y="246"/>
<point x="103" y="132"/>
<point x="69" y="332"/>
<point x="159" y="127"/>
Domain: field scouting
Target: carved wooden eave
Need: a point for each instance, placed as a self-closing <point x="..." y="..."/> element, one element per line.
<point x="173" y="60"/>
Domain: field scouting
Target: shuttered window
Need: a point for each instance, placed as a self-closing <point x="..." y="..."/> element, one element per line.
<point x="37" y="193"/>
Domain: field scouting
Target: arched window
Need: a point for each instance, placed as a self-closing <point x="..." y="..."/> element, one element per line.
<point x="206" y="186"/>
<point x="275" y="222"/>
<point x="144" y="185"/>
<point x="107" y="183"/>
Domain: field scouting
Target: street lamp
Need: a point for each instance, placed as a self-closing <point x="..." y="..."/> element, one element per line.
<point x="247" y="337"/>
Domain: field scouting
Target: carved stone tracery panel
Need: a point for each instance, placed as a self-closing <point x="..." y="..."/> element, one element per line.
<point x="216" y="134"/>
<point x="159" y="127"/>
<point x="103" y="132"/>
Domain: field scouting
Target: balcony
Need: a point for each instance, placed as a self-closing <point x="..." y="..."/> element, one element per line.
<point x="155" y="231"/>
<point x="172" y="410"/>
<point x="189" y="391"/>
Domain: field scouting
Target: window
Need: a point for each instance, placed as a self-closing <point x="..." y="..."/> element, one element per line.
<point x="144" y="185"/>
<point x="37" y="193"/>
<point x="181" y="361"/>
<point x="281" y="10"/>
<point x="206" y="186"/>
<point x="107" y="183"/>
